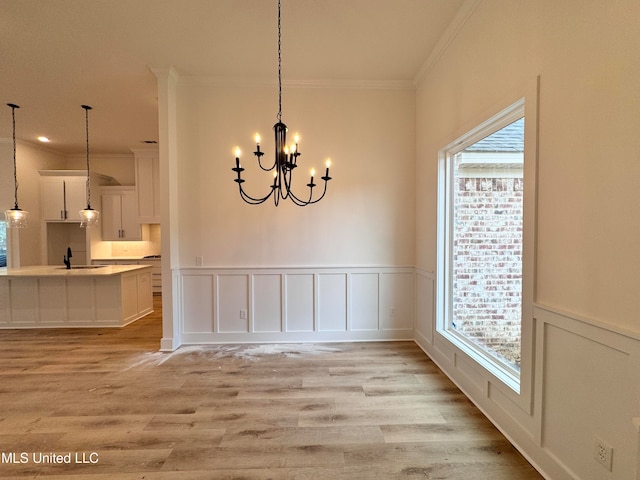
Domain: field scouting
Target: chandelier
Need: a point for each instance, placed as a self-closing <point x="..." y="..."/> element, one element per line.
<point x="15" y="217"/>
<point x="88" y="216"/>
<point x="285" y="161"/>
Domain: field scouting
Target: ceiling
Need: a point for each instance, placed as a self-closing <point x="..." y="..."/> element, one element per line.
<point x="58" y="54"/>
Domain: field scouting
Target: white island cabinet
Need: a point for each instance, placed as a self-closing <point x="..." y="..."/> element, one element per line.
<point x="53" y="297"/>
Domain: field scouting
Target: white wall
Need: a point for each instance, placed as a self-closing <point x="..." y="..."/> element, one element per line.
<point x="367" y="216"/>
<point x="587" y="262"/>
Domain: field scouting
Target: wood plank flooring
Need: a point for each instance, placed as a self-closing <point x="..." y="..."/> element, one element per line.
<point x="112" y="407"/>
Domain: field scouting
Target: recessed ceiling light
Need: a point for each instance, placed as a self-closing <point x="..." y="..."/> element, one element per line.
<point x="44" y="139"/>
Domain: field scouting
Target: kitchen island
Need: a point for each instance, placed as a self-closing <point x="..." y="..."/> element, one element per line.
<point x="83" y="296"/>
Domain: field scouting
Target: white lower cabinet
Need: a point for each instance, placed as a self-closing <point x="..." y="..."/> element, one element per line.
<point x="156" y="273"/>
<point x="154" y="263"/>
<point x="81" y="298"/>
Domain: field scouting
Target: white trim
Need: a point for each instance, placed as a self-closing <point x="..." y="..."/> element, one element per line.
<point x="494" y="367"/>
<point x="195" y="80"/>
<point x="446" y="39"/>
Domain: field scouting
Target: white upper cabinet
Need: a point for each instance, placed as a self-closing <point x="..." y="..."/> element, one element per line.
<point x="120" y="214"/>
<point x="148" y="185"/>
<point x="63" y="198"/>
<point x="64" y="193"/>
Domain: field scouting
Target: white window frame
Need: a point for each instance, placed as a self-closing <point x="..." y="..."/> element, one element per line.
<point x="520" y="387"/>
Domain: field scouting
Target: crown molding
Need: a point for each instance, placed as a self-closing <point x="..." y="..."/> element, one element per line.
<point x="464" y="14"/>
<point x="194" y="80"/>
<point x="164" y="72"/>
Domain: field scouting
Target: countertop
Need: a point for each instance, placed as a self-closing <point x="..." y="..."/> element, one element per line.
<point x="56" y="271"/>
<point x="132" y="257"/>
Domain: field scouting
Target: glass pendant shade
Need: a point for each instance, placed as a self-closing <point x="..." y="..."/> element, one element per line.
<point x="89" y="217"/>
<point x="16" y="218"/>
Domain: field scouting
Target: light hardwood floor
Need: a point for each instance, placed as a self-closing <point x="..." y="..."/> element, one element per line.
<point x="324" y="411"/>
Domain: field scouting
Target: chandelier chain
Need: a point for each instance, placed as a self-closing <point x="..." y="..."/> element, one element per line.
<point x="86" y="123"/>
<point x="279" y="67"/>
<point x="15" y="169"/>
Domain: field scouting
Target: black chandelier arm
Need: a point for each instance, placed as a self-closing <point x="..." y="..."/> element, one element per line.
<point x="252" y="200"/>
<point x="302" y="203"/>
<point x="259" y="154"/>
<point x="244" y="195"/>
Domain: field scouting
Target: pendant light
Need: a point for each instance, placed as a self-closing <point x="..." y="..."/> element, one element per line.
<point x="15" y="218"/>
<point x="286" y="158"/>
<point x="88" y="216"/>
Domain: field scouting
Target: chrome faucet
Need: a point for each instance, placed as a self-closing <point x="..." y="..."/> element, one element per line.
<point x="67" y="259"/>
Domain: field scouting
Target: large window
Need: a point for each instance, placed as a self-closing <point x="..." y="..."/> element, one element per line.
<point x="481" y="239"/>
<point x="3" y="244"/>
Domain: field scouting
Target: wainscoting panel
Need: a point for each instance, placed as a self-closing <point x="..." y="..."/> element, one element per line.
<point x="425" y="305"/>
<point x="364" y="295"/>
<point x="21" y="291"/>
<point x="296" y="304"/>
<point x="197" y="304"/>
<point x="232" y="296"/>
<point x="590" y="388"/>
<point x="105" y="307"/>
<point x="332" y="302"/>
<point x="80" y="304"/>
<point x="52" y="294"/>
<point x="266" y="311"/>
<point x="299" y="294"/>
<point x="397" y="300"/>
<point x="5" y="311"/>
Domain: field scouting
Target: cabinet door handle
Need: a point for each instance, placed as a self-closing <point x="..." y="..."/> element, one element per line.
<point x="61" y="214"/>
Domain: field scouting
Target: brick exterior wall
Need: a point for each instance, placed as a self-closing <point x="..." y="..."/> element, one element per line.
<point x="487" y="255"/>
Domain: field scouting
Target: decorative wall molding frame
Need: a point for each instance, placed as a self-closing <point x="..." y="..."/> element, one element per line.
<point x="310" y="304"/>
